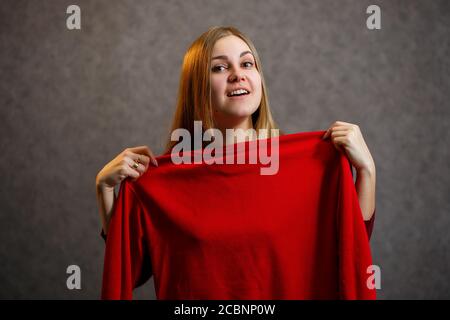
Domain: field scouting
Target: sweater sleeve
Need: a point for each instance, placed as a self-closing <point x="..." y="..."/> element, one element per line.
<point x="127" y="261"/>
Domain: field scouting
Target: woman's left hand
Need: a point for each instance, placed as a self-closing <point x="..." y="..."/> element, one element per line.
<point x="347" y="138"/>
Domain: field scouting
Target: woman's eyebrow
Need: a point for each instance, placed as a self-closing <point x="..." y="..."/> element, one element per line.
<point x="225" y="57"/>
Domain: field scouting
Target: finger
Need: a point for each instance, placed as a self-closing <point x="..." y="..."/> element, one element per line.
<point x="129" y="172"/>
<point x="332" y="129"/>
<point x="327" y="133"/>
<point x="340" y="123"/>
<point x="141" y="158"/>
<point x="146" y="151"/>
<point x="339" y="133"/>
<point x="140" y="169"/>
<point x="339" y="143"/>
<point x="339" y="127"/>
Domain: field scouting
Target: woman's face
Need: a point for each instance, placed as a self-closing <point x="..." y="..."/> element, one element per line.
<point x="232" y="68"/>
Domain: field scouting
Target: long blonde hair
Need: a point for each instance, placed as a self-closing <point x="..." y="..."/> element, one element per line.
<point x="194" y="91"/>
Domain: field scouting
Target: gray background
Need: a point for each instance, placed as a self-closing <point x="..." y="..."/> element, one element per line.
<point x="72" y="100"/>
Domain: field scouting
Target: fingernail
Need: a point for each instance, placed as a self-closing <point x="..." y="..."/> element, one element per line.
<point x="154" y="162"/>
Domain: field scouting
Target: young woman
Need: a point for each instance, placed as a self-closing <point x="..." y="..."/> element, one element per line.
<point x="219" y="62"/>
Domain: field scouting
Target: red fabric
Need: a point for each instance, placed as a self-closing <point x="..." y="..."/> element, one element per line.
<point x="369" y="227"/>
<point x="227" y="232"/>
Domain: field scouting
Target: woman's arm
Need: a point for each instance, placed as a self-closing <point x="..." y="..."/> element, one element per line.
<point x="105" y="199"/>
<point x="365" y="187"/>
<point x="130" y="163"/>
<point x="347" y="137"/>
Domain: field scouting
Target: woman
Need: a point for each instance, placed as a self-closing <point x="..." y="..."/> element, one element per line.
<point x="218" y="63"/>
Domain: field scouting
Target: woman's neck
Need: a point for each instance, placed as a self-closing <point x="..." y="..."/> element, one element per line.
<point x="236" y="125"/>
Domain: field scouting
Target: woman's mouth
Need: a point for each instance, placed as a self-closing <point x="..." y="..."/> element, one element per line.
<point x="238" y="94"/>
<point x="243" y="96"/>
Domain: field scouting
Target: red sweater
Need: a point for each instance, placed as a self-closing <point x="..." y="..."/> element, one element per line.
<point x="228" y="232"/>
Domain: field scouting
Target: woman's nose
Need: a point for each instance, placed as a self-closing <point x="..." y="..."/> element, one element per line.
<point x="237" y="75"/>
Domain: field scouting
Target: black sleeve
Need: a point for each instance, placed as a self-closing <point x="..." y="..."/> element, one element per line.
<point x="103" y="235"/>
<point x="369" y="224"/>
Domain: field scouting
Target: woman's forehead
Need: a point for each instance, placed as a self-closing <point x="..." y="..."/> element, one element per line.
<point x="229" y="45"/>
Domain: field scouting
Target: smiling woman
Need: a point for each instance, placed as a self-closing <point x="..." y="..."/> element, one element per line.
<point x="224" y="215"/>
<point x="222" y="85"/>
<point x="236" y="89"/>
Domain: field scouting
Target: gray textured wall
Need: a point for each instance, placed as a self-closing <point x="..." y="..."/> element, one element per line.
<point x="71" y="100"/>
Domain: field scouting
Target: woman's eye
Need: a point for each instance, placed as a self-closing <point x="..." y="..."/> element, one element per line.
<point x="217" y="68"/>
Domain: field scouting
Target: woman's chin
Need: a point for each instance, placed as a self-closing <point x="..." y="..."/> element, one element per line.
<point x="239" y="111"/>
<point x="238" y="115"/>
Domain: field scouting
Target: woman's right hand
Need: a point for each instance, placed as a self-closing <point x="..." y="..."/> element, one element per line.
<point x="121" y="167"/>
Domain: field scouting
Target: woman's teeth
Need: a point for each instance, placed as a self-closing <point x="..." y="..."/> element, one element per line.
<point x="238" y="92"/>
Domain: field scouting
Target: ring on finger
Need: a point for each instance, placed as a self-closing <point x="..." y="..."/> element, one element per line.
<point x="135" y="165"/>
